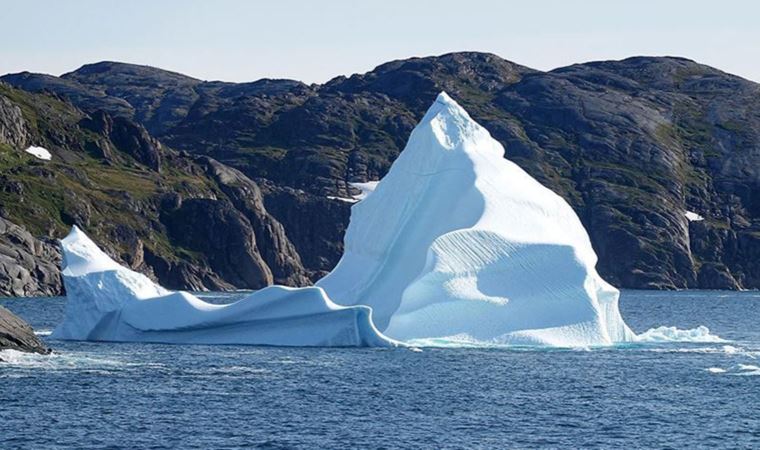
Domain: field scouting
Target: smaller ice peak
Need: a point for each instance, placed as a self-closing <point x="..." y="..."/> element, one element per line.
<point x="39" y="153"/>
<point x="108" y="302"/>
<point x="82" y="256"/>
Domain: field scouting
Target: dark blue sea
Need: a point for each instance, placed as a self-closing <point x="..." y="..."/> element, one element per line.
<point x="669" y="395"/>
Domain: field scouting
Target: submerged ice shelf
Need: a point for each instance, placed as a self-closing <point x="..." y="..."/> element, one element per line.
<point x="454" y="244"/>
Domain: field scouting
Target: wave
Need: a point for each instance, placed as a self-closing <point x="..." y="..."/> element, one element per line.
<point x="456" y="341"/>
<point x="748" y="369"/>
<point x="17" y="358"/>
<point x="741" y="370"/>
<point x="700" y="334"/>
<point x="59" y="361"/>
<point x="659" y="335"/>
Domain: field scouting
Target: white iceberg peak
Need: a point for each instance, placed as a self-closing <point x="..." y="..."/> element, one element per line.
<point x="82" y="256"/>
<point x="450" y="124"/>
<point x="444" y="98"/>
<point x="445" y="104"/>
<point x="458" y="241"/>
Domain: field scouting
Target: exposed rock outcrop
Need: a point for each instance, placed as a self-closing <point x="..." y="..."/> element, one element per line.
<point x="13" y="129"/>
<point x="274" y="246"/>
<point x="127" y="136"/>
<point x="315" y="225"/>
<point x="223" y="236"/>
<point x="28" y="266"/>
<point x="15" y="334"/>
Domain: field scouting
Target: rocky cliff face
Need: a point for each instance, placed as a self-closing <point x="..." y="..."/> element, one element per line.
<point x="277" y="252"/>
<point x="632" y="145"/>
<point x="13" y="129"/>
<point x="28" y="266"/>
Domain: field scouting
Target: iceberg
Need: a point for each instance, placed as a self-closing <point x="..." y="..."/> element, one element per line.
<point x="454" y="244"/>
<point x="108" y="302"/>
<point x="456" y="241"/>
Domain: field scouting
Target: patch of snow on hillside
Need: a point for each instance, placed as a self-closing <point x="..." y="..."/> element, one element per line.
<point x="39" y="152"/>
<point x="365" y="188"/>
<point x="693" y="217"/>
<point x="342" y="199"/>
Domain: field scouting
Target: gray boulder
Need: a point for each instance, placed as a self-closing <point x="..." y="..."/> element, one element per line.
<point x="15" y="334"/>
<point x="28" y="266"/>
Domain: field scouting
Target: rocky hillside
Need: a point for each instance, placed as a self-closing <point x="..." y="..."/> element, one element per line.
<point x="188" y="221"/>
<point x="633" y="145"/>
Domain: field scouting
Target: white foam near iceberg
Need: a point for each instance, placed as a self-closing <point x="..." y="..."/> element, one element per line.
<point x="672" y="334"/>
<point x="455" y="246"/>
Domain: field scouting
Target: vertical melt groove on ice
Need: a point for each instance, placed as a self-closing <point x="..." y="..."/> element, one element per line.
<point x="455" y="244"/>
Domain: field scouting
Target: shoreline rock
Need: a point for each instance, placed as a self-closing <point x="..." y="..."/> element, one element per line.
<point x="16" y="334"/>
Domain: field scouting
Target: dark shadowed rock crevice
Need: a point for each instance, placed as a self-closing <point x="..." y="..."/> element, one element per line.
<point x="273" y="244"/>
<point x="222" y="236"/>
<point x="315" y="224"/>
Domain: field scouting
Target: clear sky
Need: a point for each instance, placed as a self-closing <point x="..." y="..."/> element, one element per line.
<point x="313" y="41"/>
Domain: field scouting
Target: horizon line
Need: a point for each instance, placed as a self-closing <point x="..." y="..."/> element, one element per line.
<point x="441" y="55"/>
